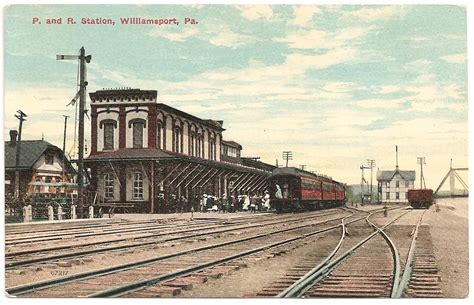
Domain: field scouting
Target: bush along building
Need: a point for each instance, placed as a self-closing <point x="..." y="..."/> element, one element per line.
<point x="145" y="155"/>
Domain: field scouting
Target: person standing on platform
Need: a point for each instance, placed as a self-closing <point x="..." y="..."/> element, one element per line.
<point x="203" y="203"/>
<point x="266" y="201"/>
<point x="224" y="206"/>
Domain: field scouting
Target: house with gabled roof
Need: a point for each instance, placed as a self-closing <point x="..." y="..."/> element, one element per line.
<point x="43" y="168"/>
<point x="393" y="185"/>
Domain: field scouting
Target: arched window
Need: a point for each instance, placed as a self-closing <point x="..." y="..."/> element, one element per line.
<point x="138" y="134"/>
<point x="108" y="125"/>
<point x="177" y="140"/>
<point x="108" y="136"/>
<point x="199" y="146"/>
<point x="158" y="136"/>
<point x="192" y="144"/>
<point x="212" y="149"/>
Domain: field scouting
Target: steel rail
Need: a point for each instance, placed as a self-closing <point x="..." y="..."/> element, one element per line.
<point x="405" y="279"/>
<point x="124" y="289"/>
<point x="241" y="225"/>
<point x="299" y="285"/>
<point x="22" y="289"/>
<point x="395" y="256"/>
<point x="320" y="272"/>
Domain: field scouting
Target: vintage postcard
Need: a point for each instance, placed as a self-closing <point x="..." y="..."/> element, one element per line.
<point x="235" y="151"/>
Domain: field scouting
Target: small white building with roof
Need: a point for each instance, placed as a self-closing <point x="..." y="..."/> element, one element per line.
<point x="393" y="185"/>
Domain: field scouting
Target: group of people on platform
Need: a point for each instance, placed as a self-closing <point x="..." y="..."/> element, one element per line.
<point x="229" y="203"/>
<point x="210" y="203"/>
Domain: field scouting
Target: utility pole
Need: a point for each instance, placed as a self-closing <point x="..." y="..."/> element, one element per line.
<point x="20" y="116"/>
<point x="371" y="165"/>
<point x="421" y="161"/>
<point x="362" y="181"/>
<point x="83" y="59"/>
<point x="287" y="155"/>
<point x="64" y="145"/>
<point x="396" y="156"/>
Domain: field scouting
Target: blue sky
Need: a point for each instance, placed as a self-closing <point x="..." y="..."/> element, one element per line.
<point x="335" y="84"/>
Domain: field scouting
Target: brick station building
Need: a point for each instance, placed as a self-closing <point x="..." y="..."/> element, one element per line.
<point x="143" y="153"/>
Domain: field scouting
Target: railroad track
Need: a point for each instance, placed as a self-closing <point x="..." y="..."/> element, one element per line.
<point x="173" y="270"/>
<point x="368" y="269"/>
<point x="30" y="257"/>
<point x="108" y="229"/>
<point x="347" y="275"/>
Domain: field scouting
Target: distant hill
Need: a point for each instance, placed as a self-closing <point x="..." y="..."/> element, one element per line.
<point x="353" y="192"/>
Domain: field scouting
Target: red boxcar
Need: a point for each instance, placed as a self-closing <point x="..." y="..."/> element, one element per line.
<point x="292" y="189"/>
<point x="420" y="198"/>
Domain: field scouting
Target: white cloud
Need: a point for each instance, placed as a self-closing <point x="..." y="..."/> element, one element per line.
<point x="227" y="38"/>
<point x="317" y="39"/>
<point x="254" y="12"/>
<point x="173" y="36"/>
<point x="303" y="14"/>
<point x="455" y="58"/>
<point x="429" y="106"/>
<point x="389" y="89"/>
<point x="373" y="13"/>
<point x="418" y="65"/>
<point x="380" y="103"/>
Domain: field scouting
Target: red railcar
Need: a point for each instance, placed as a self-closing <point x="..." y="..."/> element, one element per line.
<point x="292" y="189"/>
<point x="422" y="198"/>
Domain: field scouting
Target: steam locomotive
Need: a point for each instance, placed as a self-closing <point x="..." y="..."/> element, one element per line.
<point x="292" y="189"/>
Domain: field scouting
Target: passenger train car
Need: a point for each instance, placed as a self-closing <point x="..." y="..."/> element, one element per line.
<point x="292" y="189"/>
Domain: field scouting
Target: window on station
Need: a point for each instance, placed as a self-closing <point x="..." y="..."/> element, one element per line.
<point x="387" y="184"/>
<point x="158" y="136"/>
<point x="108" y="186"/>
<point x="49" y="159"/>
<point x="108" y="136"/>
<point x="199" y="146"/>
<point x="397" y="183"/>
<point x="192" y="144"/>
<point x="212" y="149"/>
<point x="138" y="134"/>
<point x="177" y="140"/>
<point x="397" y="195"/>
<point x="138" y="186"/>
<point x="407" y="183"/>
<point x="387" y="195"/>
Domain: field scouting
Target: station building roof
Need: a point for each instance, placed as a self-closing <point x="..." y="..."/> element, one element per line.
<point x="30" y="152"/>
<point x="388" y="175"/>
<point x="149" y="154"/>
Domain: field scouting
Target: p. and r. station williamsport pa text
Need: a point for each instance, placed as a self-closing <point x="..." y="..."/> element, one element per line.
<point x="133" y="21"/>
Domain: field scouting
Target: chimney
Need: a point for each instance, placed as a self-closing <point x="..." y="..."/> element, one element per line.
<point x="13" y="136"/>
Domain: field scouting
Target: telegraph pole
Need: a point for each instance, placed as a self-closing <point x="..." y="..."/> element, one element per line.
<point x="421" y="161"/>
<point x="20" y="116"/>
<point x="371" y="165"/>
<point x="287" y="155"/>
<point x="83" y="59"/>
<point x="64" y="144"/>
<point x="362" y="181"/>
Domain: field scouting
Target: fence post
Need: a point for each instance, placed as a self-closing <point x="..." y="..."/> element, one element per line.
<point x="26" y="218"/>
<point x="73" y="212"/>
<point x="60" y="213"/>
<point x="50" y="212"/>
<point x="29" y="210"/>
<point x="91" y="211"/>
